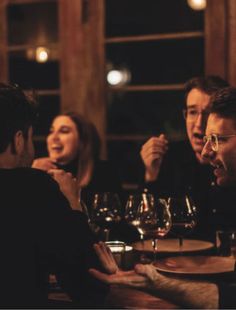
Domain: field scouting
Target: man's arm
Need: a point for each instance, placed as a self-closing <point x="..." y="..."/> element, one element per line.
<point x="191" y="294"/>
<point x="68" y="186"/>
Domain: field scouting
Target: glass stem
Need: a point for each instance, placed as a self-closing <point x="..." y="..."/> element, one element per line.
<point x="154" y="245"/>
<point x="181" y="241"/>
<point x="106" y="234"/>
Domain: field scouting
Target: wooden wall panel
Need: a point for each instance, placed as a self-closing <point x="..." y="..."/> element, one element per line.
<point x="231" y="47"/>
<point x="82" y="59"/>
<point x="215" y="38"/>
<point x="3" y="42"/>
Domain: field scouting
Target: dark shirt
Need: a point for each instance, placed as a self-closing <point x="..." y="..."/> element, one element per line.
<point x="40" y="234"/>
<point x="227" y="295"/>
<point x="181" y="174"/>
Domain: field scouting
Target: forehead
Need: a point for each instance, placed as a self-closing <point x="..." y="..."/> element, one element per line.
<point x="220" y="125"/>
<point x="198" y="99"/>
<point x="63" y="120"/>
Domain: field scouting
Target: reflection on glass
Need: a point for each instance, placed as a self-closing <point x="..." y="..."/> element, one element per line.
<point x="184" y="216"/>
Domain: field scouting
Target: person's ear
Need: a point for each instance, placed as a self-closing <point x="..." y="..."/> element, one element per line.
<point x="17" y="145"/>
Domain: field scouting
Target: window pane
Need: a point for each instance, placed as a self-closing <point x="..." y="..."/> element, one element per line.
<point x="159" y="62"/>
<point x="138" y="17"/>
<point x="35" y="23"/>
<point x="146" y="113"/>
<point x="49" y="107"/>
<point x="31" y="74"/>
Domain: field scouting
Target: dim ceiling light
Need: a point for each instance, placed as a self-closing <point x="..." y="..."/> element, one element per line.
<point x="42" y="54"/>
<point x="197" y="4"/>
<point x="118" y="77"/>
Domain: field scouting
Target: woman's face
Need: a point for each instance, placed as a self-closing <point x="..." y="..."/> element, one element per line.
<point x="63" y="140"/>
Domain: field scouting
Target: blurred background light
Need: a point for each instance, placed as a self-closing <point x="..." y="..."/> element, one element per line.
<point x="197" y="4"/>
<point x="118" y="77"/>
<point x="41" y="54"/>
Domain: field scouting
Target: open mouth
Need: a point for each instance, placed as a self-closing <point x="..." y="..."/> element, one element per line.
<point x="57" y="148"/>
<point x="198" y="136"/>
<point x="219" y="169"/>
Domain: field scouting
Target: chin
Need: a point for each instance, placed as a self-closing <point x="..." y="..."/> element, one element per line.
<point x="54" y="158"/>
<point x="197" y="147"/>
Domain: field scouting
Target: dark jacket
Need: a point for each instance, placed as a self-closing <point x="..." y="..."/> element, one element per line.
<point x="40" y="234"/>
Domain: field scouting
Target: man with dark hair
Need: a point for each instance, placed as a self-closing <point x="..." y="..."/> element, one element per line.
<point x="220" y="151"/>
<point x="42" y="229"/>
<point x="181" y="170"/>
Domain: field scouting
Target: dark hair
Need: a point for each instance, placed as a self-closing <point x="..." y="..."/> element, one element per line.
<point x="223" y="102"/>
<point x="207" y="84"/>
<point x="89" y="142"/>
<point x="17" y="113"/>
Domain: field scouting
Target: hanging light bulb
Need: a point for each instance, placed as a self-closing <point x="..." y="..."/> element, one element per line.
<point x="41" y="54"/>
<point x="118" y="77"/>
<point x="197" y="4"/>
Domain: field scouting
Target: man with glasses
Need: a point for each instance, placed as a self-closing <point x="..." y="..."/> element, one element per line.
<point x="181" y="169"/>
<point x="219" y="150"/>
<point x="220" y="139"/>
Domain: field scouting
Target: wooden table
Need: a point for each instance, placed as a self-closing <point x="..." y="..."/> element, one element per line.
<point x="129" y="298"/>
<point x="122" y="297"/>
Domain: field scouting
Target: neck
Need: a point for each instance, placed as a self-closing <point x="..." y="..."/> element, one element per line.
<point x="7" y="161"/>
<point x="71" y="167"/>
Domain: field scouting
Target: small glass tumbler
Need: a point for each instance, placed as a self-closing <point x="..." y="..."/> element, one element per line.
<point x="226" y="242"/>
<point x="118" y="250"/>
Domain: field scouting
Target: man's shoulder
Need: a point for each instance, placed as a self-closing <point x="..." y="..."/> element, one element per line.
<point x="29" y="172"/>
<point x="25" y="176"/>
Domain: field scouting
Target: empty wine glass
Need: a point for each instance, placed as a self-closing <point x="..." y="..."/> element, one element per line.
<point x="184" y="216"/>
<point x="106" y="210"/>
<point x="153" y="220"/>
<point x="132" y="206"/>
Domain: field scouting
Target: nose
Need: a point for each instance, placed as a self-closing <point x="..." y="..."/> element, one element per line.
<point x="200" y="122"/>
<point x="207" y="152"/>
<point x="53" y="136"/>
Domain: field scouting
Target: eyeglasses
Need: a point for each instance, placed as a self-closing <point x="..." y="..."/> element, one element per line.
<point x="215" y="139"/>
<point x="192" y="114"/>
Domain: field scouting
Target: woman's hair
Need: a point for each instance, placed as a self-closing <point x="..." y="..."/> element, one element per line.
<point x="89" y="143"/>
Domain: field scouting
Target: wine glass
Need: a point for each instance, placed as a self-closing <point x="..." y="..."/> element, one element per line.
<point x="153" y="220"/>
<point x="106" y="210"/>
<point x="184" y="216"/>
<point x="132" y="206"/>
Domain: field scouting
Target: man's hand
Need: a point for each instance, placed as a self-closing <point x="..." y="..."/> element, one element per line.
<point x="105" y="256"/>
<point x="68" y="186"/>
<point x="152" y="153"/>
<point x="114" y="275"/>
<point x="127" y="278"/>
<point x="44" y="163"/>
